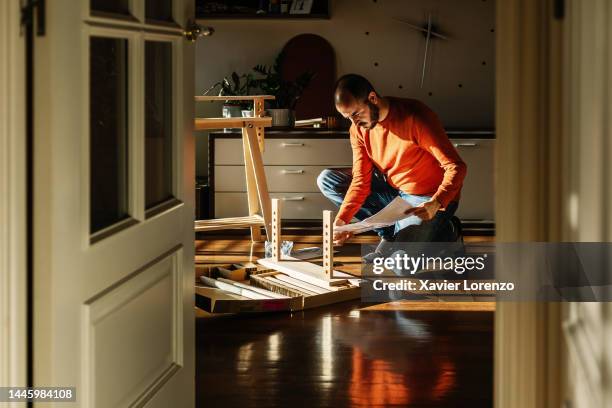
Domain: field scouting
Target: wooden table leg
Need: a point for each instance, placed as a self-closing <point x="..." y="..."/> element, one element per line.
<point x="260" y="178"/>
<point x="253" y="199"/>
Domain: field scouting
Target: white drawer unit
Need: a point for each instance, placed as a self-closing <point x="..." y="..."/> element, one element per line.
<point x="280" y="178"/>
<point x="477" y="195"/>
<point x="292" y="165"/>
<point x="324" y="152"/>
<point x="302" y="206"/>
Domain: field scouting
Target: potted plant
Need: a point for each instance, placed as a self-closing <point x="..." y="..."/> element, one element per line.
<point x="287" y="93"/>
<point x="235" y="85"/>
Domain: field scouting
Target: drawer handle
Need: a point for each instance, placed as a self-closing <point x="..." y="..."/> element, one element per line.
<point x="293" y="171"/>
<point x="465" y="144"/>
<point x="292" y="144"/>
<point x="292" y="198"/>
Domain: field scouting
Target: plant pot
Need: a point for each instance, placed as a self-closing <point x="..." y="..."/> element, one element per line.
<point x="248" y="113"/>
<point x="282" y="117"/>
<point x="232" y="111"/>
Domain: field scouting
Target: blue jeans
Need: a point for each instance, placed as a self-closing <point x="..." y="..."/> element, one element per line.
<point x="334" y="184"/>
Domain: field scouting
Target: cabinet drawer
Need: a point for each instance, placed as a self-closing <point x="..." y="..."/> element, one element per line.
<point x="477" y="194"/>
<point x="280" y="178"/>
<point x="294" y="205"/>
<point x="324" y="152"/>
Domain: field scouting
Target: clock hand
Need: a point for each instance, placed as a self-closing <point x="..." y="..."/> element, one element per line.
<point x="426" y="49"/>
<point x="421" y="29"/>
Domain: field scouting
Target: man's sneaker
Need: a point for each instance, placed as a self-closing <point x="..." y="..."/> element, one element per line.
<point x="457" y="229"/>
<point x="456" y="246"/>
<point x="383" y="249"/>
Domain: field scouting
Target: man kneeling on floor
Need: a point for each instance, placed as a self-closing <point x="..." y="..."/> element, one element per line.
<point x="400" y="148"/>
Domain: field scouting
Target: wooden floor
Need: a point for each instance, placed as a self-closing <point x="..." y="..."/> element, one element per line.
<point x="345" y="355"/>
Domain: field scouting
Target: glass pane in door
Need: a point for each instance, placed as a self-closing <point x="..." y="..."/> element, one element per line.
<point x="108" y="82"/>
<point x="159" y="10"/>
<point x="111" y="6"/>
<point x="158" y="123"/>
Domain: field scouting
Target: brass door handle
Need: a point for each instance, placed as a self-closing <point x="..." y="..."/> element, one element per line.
<point x="193" y="31"/>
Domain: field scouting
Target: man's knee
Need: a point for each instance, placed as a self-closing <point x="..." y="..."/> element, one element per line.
<point x="327" y="181"/>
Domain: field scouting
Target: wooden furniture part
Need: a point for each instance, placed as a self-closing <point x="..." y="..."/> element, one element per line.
<point x="258" y="197"/>
<point x="302" y="271"/>
<point x="294" y="158"/>
<point x="276" y="230"/>
<point x="310" y="295"/>
<point x="328" y="244"/>
<point x="265" y="290"/>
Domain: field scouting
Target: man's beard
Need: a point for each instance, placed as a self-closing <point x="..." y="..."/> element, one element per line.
<point x="374" y="115"/>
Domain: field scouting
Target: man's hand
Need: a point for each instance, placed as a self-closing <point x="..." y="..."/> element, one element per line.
<point x="340" y="237"/>
<point x="425" y="211"/>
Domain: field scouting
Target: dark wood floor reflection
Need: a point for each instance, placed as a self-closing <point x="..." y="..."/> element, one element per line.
<point x="339" y="356"/>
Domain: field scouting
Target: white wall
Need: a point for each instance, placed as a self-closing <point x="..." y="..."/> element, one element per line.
<point x="398" y="50"/>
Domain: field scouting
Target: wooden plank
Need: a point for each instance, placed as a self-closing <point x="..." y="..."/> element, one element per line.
<point x="220" y="123"/>
<point x="263" y="282"/>
<point x="251" y="186"/>
<point x="302" y="270"/>
<point x="328" y="244"/>
<point x="232" y="274"/>
<point x="258" y="112"/>
<point x="216" y="293"/>
<point x="215" y="300"/>
<point x="204" y="98"/>
<point x="260" y="179"/>
<point x="276" y="229"/>
<point x="281" y="283"/>
<point x="255" y="289"/>
<point x="227" y="223"/>
<point x="301" y="284"/>
<point x="230" y="287"/>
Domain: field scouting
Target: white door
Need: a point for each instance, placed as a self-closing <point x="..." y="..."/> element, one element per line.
<point x="114" y="203"/>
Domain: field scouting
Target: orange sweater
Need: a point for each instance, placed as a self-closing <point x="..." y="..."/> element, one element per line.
<point x="412" y="149"/>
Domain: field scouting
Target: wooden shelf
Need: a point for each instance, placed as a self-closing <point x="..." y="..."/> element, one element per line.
<point x="220" y="123"/>
<point x="247" y="10"/>
<point x="251" y="16"/>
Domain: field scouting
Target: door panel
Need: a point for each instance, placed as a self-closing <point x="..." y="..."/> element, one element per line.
<point x="113" y="281"/>
<point x="134" y="329"/>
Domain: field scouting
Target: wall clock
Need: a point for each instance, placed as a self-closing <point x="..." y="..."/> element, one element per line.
<point x="430" y="32"/>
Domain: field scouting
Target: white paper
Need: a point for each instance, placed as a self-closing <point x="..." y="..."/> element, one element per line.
<point x="393" y="212"/>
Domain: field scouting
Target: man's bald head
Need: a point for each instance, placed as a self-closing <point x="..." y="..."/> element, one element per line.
<point x="350" y="88"/>
<point x="356" y="100"/>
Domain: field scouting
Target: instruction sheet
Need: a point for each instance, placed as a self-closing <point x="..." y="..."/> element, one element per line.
<point x="393" y="212"/>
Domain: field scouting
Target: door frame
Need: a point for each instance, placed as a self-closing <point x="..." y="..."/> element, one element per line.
<point x="533" y="159"/>
<point x="13" y="200"/>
